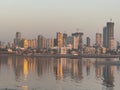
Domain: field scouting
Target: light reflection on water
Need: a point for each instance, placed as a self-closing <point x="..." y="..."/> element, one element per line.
<point x="22" y="73"/>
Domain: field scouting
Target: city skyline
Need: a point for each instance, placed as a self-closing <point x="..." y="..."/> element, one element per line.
<point x="34" y="17"/>
<point x="19" y="36"/>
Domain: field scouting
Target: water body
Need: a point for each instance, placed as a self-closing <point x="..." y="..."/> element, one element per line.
<point x="21" y="73"/>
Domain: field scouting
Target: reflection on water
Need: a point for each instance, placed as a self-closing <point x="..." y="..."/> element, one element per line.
<point x="25" y="68"/>
<point x="108" y="72"/>
<point x="25" y="87"/>
<point x="58" y="74"/>
<point x="59" y="70"/>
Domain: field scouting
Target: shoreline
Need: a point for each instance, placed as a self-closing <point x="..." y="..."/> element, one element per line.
<point x="65" y="55"/>
<point x="78" y="56"/>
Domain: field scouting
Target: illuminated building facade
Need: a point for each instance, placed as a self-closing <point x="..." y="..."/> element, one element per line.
<point x="59" y="39"/>
<point x="32" y="43"/>
<point x="24" y="43"/>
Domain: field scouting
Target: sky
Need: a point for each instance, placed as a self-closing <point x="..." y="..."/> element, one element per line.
<point x="46" y="17"/>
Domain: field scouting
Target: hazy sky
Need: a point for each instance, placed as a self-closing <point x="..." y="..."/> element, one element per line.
<point x="33" y="17"/>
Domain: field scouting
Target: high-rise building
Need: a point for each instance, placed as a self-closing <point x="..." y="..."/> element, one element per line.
<point x="78" y="41"/>
<point x="41" y="42"/>
<point x="24" y="43"/>
<point x="88" y="41"/>
<point x="18" y="35"/>
<point x="110" y="27"/>
<point x="59" y="39"/>
<point x="108" y="36"/>
<point x="69" y="40"/>
<point x="17" y="40"/>
<point x="64" y="39"/>
<point x="75" y="42"/>
<point x="99" y="39"/>
<point x="55" y="42"/>
<point x="105" y="32"/>
<point x="49" y="43"/>
<point x="32" y="43"/>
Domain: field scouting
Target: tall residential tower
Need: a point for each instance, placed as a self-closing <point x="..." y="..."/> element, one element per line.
<point x="108" y="36"/>
<point x="59" y="39"/>
<point x="17" y="40"/>
<point x="99" y="39"/>
<point x="88" y="41"/>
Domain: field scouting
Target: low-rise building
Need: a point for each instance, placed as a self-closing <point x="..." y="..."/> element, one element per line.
<point x="104" y="50"/>
<point x="89" y="50"/>
<point x="63" y="50"/>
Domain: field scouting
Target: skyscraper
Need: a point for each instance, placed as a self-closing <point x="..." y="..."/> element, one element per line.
<point x="41" y="42"/>
<point x="49" y="43"/>
<point x="59" y="39"/>
<point x="24" y="43"/>
<point x="64" y="39"/>
<point x="17" y="40"/>
<point x="110" y="27"/>
<point x="108" y="36"/>
<point x="78" y="41"/>
<point x="32" y="43"/>
<point x="105" y="44"/>
<point x="99" y="39"/>
<point x="88" y="41"/>
<point x="18" y="35"/>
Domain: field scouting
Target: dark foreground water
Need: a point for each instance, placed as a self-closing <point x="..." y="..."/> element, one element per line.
<point x="19" y="73"/>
